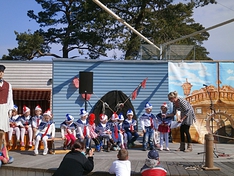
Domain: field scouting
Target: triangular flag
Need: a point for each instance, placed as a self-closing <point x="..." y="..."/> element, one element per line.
<point x="134" y="94"/>
<point x="143" y="83"/>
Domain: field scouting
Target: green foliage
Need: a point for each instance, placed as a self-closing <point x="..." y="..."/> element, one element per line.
<point x="29" y="46"/>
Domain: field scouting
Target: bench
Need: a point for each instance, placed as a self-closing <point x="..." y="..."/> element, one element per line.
<point x="50" y="142"/>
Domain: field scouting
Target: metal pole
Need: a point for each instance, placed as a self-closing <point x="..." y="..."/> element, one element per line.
<point x="124" y="22"/>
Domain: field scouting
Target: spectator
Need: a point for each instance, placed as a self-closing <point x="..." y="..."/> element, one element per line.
<point x="75" y="162"/>
<point x="122" y="166"/>
<point x="152" y="167"/>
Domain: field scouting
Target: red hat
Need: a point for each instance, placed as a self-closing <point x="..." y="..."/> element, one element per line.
<point x="38" y="108"/>
<point x="164" y="105"/>
<point x="103" y="117"/>
<point x="114" y="116"/>
<point x="48" y="112"/>
<point x="91" y="118"/>
<point x="25" y="109"/>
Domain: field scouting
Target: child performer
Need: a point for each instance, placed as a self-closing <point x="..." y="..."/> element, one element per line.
<point x="14" y="126"/>
<point x="122" y="166"/>
<point x="164" y="126"/>
<point x="26" y="125"/>
<point x="36" y="120"/>
<point x="68" y="131"/>
<point x="83" y="131"/>
<point x="103" y="131"/>
<point x="45" y="131"/>
<point x="114" y="130"/>
<point x="92" y="132"/>
<point x="122" y="135"/>
<point x="130" y="127"/>
<point x="148" y="125"/>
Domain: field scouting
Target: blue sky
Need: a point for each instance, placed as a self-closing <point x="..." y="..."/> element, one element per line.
<point x="198" y="74"/>
<point x="220" y="44"/>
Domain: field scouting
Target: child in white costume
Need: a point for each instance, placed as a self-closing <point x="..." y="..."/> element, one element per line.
<point x="104" y="132"/>
<point x="14" y="126"/>
<point x="36" y="120"/>
<point x="164" y="126"/>
<point x="130" y="127"/>
<point x="113" y="123"/>
<point x="26" y="125"/>
<point x="45" y="131"/>
<point x="82" y="128"/>
<point x="122" y="135"/>
<point x="68" y="131"/>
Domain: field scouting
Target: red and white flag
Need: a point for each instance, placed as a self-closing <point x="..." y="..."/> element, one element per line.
<point x="134" y="94"/>
<point x="143" y="83"/>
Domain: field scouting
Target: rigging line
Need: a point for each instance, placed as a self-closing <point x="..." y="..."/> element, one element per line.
<point x="225" y="6"/>
<point x="104" y="102"/>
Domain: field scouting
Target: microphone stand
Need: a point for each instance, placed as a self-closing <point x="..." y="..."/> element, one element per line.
<point x="212" y="110"/>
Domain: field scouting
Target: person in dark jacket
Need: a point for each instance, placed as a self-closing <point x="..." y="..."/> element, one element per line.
<point x="75" y="162"/>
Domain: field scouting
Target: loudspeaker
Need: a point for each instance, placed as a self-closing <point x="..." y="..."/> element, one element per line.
<point x="86" y="82"/>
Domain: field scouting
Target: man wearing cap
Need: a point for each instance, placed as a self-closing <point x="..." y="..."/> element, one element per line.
<point x="152" y="166"/>
<point x="6" y="104"/>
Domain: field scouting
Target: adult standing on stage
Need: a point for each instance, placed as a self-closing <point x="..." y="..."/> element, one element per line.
<point x="186" y="120"/>
<point x="6" y="104"/>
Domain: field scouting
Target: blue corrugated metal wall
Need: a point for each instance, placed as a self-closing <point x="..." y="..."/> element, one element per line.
<point x="107" y="76"/>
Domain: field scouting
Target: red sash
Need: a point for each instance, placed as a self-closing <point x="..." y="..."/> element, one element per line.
<point x="151" y="122"/>
<point x="116" y="132"/>
<point x="131" y="128"/>
<point x="85" y="131"/>
<point x="46" y="131"/>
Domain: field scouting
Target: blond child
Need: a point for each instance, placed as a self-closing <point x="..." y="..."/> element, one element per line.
<point x="14" y="126"/>
<point x="26" y="126"/>
<point x="36" y="120"/>
<point x="46" y="130"/>
<point x="122" y="166"/>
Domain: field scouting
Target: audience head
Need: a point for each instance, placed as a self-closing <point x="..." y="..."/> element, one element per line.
<point x="153" y="158"/>
<point x="78" y="146"/>
<point x="122" y="154"/>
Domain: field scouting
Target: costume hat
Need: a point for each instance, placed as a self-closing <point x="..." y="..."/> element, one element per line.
<point x="48" y="112"/>
<point x="25" y="109"/>
<point x="121" y="117"/>
<point x="69" y="118"/>
<point x="129" y="112"/>
<point x="103" y="117"/>
<point x="38" y="108"/>
<point x="148" y="106"/>
<point x="83" y="113"/>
